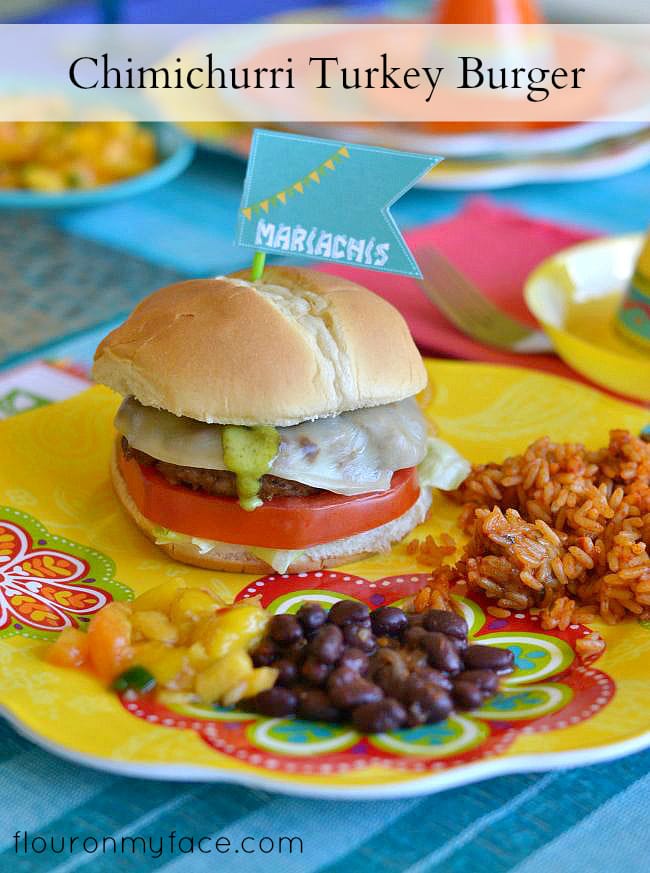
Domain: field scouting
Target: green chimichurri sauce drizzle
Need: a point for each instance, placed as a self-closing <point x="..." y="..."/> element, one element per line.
<point x="248" y="452"/>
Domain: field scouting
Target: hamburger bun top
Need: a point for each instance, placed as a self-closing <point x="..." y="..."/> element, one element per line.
<point x="296" y="345"/>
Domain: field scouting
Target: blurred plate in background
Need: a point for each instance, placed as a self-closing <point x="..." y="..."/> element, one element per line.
<point x="174" y="149"/>
<point x="596" y="160"/>
<point x="504" y="154"/>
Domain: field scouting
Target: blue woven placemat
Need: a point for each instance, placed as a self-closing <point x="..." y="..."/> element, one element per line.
<point x="54" y="284"/>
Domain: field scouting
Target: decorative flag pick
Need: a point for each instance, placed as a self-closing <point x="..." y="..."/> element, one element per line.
<point x="328" y="201"/>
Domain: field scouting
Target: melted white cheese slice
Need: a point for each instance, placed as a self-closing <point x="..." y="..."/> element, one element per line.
<point x="353" y="453"/>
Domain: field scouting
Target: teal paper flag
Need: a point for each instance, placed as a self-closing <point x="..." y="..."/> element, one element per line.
<point x="328" y="200"/>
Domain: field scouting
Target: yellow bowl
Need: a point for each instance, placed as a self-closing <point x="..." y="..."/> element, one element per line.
<point x="575" y="295"/>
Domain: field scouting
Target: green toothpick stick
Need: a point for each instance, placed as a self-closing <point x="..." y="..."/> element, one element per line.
<point x="257" y="270"/>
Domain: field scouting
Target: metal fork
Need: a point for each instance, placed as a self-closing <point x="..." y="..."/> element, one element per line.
<point x="471" y="312"/>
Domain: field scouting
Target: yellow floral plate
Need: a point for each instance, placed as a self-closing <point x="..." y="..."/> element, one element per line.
<point x="66" y="548"/>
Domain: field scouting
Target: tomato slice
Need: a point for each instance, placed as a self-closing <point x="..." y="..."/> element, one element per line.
<point x="281" y="523"/>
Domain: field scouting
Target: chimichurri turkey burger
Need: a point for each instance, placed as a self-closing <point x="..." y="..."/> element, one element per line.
<point x="271" y="424"/>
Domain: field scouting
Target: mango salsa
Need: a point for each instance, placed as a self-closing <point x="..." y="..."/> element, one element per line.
<point x="182" y="639"/>
<point x="56" y="156"/>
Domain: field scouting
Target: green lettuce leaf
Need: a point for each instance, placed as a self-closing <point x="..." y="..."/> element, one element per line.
<point x="279" y="559"/>
<point x="443" y="467"/>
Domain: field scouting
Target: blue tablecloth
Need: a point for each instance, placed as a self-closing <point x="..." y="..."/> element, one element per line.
<point x="189" y="224"/>
<point x="584" y="821"/>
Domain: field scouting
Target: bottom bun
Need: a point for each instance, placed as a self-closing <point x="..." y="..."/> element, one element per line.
<point x="239" y="559"/>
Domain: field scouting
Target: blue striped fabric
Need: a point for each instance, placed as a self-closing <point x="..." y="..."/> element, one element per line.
<point x="590" y="820"/>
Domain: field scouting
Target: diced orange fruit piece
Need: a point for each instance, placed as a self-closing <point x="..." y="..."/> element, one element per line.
<point x="174" y="670"/>
<point x="199" y="658"/>
<point x="213" y="682"/>
<point x="170" y="665"/>
<point x="260" y="679"/>
<point x="154" y="625"/>
<point x="69" y="650"/>
<point x="147" y="654"/>
<point x="235" y="628"/>
<point x="191" y="604"/>
<point x="109" y="641"/>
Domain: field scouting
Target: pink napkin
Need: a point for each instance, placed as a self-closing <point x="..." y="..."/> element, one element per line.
<point x="495" y="246"/>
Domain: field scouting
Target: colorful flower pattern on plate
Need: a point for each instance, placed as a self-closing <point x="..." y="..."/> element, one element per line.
<point x="48" y="583"/>
<point x="550" y="688"/>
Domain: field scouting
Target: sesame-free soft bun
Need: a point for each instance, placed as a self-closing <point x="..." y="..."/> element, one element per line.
<point x="295" y="345"/>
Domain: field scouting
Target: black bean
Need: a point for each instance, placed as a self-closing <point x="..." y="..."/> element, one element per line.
<point x="415" y="619"/>
<point x="342" y="675"/>
<point x="415" y="637"/>
<point x="355" y="694"/>
<point x="315" y="704"/>
<point x="388" y="621"/>
<point x="442" y="653"/>
<point x="431" y="676"/>
<point x="327" y="644"/>
<point x="416" y="688"/>
<point x="428" y="706"/>
<point x="440" y="706"/>
<point x="388" y="642"/>
<point x="388" y="681"/>
<point x="347" y="611"/>
<point x="315" y="671"/>
<point x="285" y="629"/>
<point x="412" y="688"/>
<point x="265" y="654"/>
<point x="275" y="702"/>
<point x="347" y="689"/>
<point x="415" y="658"/>
<point x="360" y="637"/>
<point x="311" y="616"/>
<point x="379" y="716"/>
<point x="388" y="669"/>
<point x="296" y="651"/>
<point x="287" y="671"/>
<point x="355" y="659"/>
<point x="479" y="657"/>
<point x="390" y="657"/>
<point x="445" y="622"/>
<point x="486" y="680"/>
<point x="416" y="714"/>
<point x="467" y="695"/>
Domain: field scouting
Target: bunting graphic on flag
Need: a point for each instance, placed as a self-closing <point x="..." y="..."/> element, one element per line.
<point x="297" y="187"/>
<point x="327" y="200"/>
